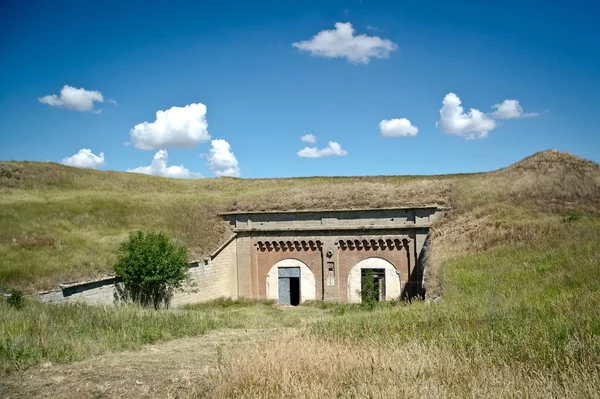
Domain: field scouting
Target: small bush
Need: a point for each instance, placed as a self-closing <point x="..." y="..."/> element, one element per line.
<point x="15" y="299"/>
<point x="572" y="216"/>
<point x="150" y="267"/>
<point x="5" y="173"/>
<point x="369" y="291"/>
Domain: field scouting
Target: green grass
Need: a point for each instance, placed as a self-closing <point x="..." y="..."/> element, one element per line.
<point x="517" y="319"/>
<point x="535" y="303"/>
<point x="40" y="333"/>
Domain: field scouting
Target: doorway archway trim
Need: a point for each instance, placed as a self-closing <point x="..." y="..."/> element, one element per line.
<point x="393" y="286"/>
<point x="308" y="286"/>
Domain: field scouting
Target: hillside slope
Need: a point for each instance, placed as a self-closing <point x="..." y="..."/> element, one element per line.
<point x="523" y="204"/>
<point x="61" y="224"/>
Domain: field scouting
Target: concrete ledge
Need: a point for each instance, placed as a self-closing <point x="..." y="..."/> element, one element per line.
<point x="222" y="247"/>
<point x="322" y="227"/>
<point x="398" y="208"/>
<point x="107" y="279"/>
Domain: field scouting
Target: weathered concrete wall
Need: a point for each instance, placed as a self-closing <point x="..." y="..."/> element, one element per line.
<point x="397" y="235"/>
<point x="214" y="279"/>
<point x="244" y="252"/>
<point x="208" y="280"/>
<point x="100" y="292"/>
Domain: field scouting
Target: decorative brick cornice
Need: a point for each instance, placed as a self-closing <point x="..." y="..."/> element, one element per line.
<point x="295" y="245"/>
<point x="374" y="244"/>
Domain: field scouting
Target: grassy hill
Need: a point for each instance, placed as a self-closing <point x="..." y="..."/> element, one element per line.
<point x="61" y="224"/>
<point x="517" y="260"/>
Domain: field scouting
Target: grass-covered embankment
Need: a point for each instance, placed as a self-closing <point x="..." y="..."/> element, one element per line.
<point x="60" y="224"/>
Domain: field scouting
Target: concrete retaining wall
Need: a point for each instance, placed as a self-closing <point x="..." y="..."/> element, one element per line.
<point x="99" y="292"/>
<point x="208" y="280"/>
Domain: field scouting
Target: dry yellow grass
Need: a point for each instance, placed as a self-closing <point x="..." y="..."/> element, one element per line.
<point x="284" y="363"/>
<point x="302" y="367"/>
<point x="167" y="370"/>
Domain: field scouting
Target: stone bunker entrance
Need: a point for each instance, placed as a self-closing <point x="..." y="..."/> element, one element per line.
<point x="298" y="256"/>
<point x="292" y="257"/>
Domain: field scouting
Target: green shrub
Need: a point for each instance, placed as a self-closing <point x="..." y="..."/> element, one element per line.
<point x="369" y="293"/>
<point x="150" y="267"/>
<point x="15" y="299"/>
<point x="5" y="173"/>
<point x="572" y="216"/>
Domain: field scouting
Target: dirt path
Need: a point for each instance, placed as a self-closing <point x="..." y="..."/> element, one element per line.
<point x="166" y="370"/>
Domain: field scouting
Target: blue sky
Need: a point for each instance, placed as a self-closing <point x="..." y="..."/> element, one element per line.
<point x="383" y="61"/>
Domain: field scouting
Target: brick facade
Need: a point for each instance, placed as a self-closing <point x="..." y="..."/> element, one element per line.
<point x="268" y="253"/>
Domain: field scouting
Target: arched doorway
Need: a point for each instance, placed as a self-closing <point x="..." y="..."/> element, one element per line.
<point x="291" y="282"/>
<point x="386" y="275"/>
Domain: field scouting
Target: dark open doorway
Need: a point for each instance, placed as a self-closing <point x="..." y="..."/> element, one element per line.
<point x="294" y="291"/>
<point x="289" y="286"/>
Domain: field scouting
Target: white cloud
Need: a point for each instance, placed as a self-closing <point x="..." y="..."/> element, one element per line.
<point x="159" y="167"/>
<point x="333" y="149"/>
<point x="341" y="42"/>
<point x="309" y="138"/>
<point x="179" y="127"/>
<point x="374" y="28"/>
<point x="511" y="109"/>
<point x="73" y="98"/>
<point x="397" y="128"/>
<point x="221" y="159"/>
<point x="471" y="125"/>
<point x="85" y="159"/>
